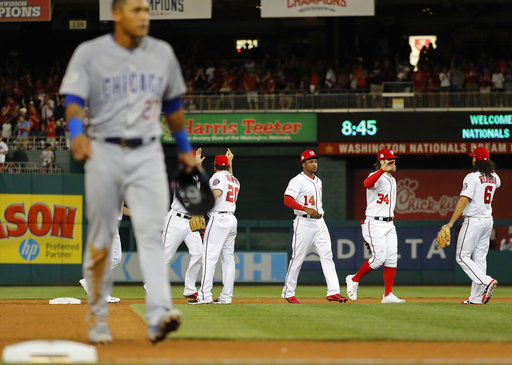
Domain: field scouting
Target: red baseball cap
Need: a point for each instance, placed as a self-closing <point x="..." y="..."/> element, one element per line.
<point x="307" y="155"/>
<point x="221" y="160"/>
<point x="386" y="154"/>
<point x="480" y="153"/>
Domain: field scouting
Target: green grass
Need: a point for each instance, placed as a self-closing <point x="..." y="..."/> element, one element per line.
<point x="249" y="291"/>
<point x="331" y="321"/>
<point x="325" y="321"/>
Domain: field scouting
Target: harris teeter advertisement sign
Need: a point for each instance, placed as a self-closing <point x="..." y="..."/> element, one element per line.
<point x="247" y="128"/>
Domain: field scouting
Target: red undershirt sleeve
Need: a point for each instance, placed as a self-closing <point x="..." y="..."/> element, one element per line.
<point x="372" y="179"/>
<point x="292" y="203"/>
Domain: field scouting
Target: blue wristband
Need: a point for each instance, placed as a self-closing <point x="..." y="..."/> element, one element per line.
<point x="75" y="127"/>
<point x="182" y="141"/>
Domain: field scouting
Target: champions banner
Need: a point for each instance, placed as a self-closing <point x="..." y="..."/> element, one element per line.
<point x="25" y="10"/>
<point x="168" y="9"/>
<point x="40" y="229"/>
<point x="315" y="8"/>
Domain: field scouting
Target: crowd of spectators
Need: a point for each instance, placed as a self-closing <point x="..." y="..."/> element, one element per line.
<point x="31" y="108"/>
<point x="30" y="105"/>
<point x="361" y="76"/>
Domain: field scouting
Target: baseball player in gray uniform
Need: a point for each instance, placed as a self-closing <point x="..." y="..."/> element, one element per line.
<point x="128" y="79"/>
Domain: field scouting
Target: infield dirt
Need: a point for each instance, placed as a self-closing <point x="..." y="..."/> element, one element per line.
<point x="23" y="320"/>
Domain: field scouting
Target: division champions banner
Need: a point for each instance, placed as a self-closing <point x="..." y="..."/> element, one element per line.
<point x="314" y="8"/>
<point x="168" y="9"/>
<point x="25" y="10"/>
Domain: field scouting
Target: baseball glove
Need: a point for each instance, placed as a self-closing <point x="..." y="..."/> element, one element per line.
<point x="197" y="222"/>
<point x="443" y="237"/>
<point x="193" y="191"/>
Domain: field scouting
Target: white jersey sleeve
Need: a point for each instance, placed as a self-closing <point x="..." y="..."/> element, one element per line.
<point x="217" y="182"/>
<point x="175" y="84"/>
<point x="468" y="186"/>
<point x="76" y="79"/>
<point x="293" y="188"/>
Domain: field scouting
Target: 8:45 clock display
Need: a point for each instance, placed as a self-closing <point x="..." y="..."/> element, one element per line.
<point x="363" y="128"/>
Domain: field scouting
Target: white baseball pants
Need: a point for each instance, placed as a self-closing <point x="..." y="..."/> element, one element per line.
<point x="176" y="230"/>
<point x="471" y="254"/>
<point x="383" y="241"/>
<point x="219" y="241"/>
<point x="116" y="252"/>
<point x="307" y="232"/>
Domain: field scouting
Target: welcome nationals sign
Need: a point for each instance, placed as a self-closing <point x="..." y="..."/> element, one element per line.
<point x="313" y="8"/>
<point x="25" y="11"/>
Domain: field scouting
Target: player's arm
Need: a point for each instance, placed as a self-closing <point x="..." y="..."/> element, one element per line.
<point x="230" y="156"/>
<point x="75" y="114"/>
<point x="175" y="118"/>
<point x="373" y="178"/>
<point x="459" y="208"/>
<point x="126" y="211"/>
<point x="199" y="157"/>
<point x="217" y="193"/>
<point x="290" y="202"/>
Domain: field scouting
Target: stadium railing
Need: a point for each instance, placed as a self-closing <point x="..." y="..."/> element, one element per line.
<point x="37" y="143"/>
<point x="17" y="167"/>
<point x="347" y="100"/>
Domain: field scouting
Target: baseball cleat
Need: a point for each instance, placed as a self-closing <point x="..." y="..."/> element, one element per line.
<point x="218" y="301"/>
<point x="391" y="298"/>
<point x="337" y="298"/>
<point x="467" y="302"/>
<point x="292" y="300"/>
<point x="352" y="287"/>
<point x="83" y="282"/>
<point x="197" y="302"/>
<point x="100" y="334"/>
<point x="111" y="299"/>
<point x="488" y="291"/>
<point x="169" y="322"/>
<point x="191" y="296"/>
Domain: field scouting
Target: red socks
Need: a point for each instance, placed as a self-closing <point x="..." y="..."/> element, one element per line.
<point x="365" y="269"/>
<point x="389" y="278"/>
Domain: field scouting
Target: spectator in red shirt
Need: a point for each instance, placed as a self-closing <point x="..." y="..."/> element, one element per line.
<point x="360" y="75"/>
<point x="485" y="87"/>
<point x="251" y="86"/>
<point x="419" y="79"/>
<point x="269" y="85"/>
<point x="315" y="82"/>
<point x="12" y="109"/>
<point x="471" y="78"/>
<point x="35" y="120"/>
<point x="50" y="130"/>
